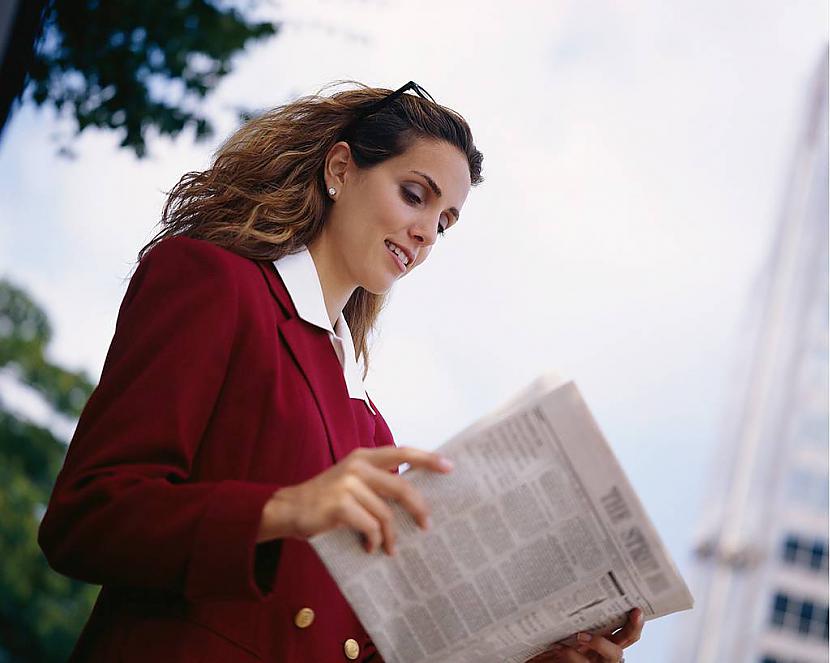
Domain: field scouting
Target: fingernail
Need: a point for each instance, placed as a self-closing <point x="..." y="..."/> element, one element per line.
<point x="584" y="637"/>
<point x="427" y="522"/>
<point x="445" y="463"/>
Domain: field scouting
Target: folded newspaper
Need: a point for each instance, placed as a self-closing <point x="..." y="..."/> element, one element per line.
<point x="536" y="535"/>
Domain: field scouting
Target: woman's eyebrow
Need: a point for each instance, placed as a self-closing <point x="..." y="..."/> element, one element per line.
<point x="435" y="189"/>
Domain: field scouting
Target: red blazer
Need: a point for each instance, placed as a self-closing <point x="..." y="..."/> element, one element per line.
<point x="213" y="395"/>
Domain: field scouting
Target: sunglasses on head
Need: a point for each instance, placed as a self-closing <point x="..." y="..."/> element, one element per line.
<point x="389" y="98"/>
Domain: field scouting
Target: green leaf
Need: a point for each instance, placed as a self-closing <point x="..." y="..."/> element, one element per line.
<point x="41" y="612"/>
<point x="89" y="46"/>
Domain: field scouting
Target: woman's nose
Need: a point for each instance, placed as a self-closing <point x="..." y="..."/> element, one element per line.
<point x="425" y="232"/>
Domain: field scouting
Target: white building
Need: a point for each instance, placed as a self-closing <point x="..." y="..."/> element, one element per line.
<point x="761" y="582"/>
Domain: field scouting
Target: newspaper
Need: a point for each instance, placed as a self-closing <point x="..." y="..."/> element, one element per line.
<point x="536" y="535"/>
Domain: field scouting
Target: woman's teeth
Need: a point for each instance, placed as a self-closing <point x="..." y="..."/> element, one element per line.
<point x="398" y="252"/>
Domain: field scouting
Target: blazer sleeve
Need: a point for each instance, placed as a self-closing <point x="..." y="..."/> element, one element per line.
<point x="123" y="511"/>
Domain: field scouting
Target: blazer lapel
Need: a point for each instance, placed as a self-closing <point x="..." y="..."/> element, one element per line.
<point x="314" y="354"/>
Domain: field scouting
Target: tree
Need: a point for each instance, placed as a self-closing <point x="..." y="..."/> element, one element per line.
<point x="134" y="65"/>
<point x="41" y="612"/>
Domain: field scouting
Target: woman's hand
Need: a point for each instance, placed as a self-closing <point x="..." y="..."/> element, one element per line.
<point x="351" y="493"/>
<point x="595" y="648"/>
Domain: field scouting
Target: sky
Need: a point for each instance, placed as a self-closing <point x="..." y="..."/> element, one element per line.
<point x="635" y="157"/>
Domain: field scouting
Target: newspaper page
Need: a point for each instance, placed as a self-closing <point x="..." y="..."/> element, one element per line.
<point x="536" y="534"/>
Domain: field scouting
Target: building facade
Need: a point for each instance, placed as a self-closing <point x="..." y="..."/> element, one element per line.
<point x="761" y="576"/>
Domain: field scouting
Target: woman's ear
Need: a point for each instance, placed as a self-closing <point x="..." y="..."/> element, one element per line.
<point x="338" y="161"/>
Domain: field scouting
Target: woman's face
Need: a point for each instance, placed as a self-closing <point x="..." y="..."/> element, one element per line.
<point x="386" y="218"/>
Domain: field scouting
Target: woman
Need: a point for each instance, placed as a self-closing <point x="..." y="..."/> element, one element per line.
<point x="230" y="423"/>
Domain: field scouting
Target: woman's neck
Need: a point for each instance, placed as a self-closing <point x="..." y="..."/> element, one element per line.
<point x="337" y="288"/>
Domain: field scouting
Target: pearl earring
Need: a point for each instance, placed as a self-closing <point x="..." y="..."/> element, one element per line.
<point x="332" y="191"/>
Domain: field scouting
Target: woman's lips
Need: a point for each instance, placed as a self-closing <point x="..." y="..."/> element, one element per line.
<point x="398" y="262"/>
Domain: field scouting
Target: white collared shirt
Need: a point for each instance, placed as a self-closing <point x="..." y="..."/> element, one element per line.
<point x="300" y="276"/>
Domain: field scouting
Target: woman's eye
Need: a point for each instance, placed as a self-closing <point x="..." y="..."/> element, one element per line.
<point x="414" y="199"/>
<point x="411" y="197"/>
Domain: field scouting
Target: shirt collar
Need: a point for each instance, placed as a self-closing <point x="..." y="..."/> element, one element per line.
<point x="299" y="274"/>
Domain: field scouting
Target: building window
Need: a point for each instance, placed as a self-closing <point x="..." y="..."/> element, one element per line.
<point x="804" y="617"/>
<point x="779" y="609"/>
<point x="807" y="553"/>
<point x="818" y="558"/>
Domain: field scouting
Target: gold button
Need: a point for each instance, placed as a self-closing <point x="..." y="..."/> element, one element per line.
<point x="351" y="649"/>
<point x="304" y="617"/>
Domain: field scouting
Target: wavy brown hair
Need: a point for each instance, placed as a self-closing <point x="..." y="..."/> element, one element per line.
<point x="264" y="195"/>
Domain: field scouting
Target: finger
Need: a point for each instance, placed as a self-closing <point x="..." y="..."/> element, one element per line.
<point x="549" y="656"/>
<point x="609" y="651"/>
<point x="400" y="490"/>
<point x="353" y="515"/>
<point x="379" y="509"/>
<point x="389" y="458"/>
<point x="564" y="654"/>
<point x="631" y="630"/>
<point x="559" y="653"/>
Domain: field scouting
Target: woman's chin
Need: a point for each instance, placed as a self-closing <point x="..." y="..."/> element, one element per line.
<point x="377" y="290"/>
<point x="378" y="286"/>
<point x="379" y="281"/>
